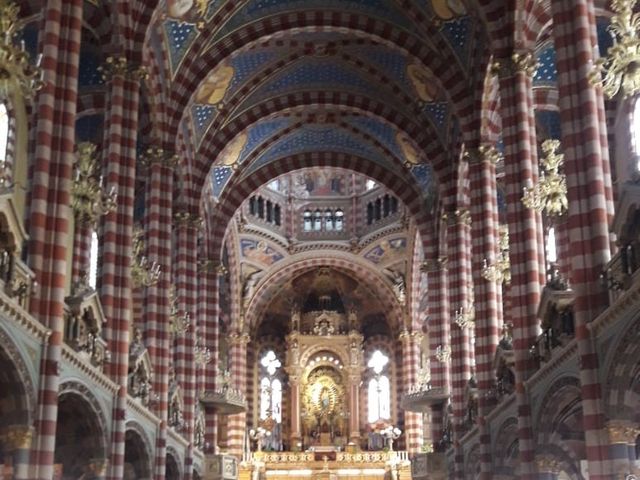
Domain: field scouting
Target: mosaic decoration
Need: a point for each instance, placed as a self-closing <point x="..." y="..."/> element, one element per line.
<point x="231" y="152"/>
<point x="387" y="250"/>
<point x="422" y="82"/>
<point x="382" y="132"/>
<point x="256" y="9"/>
<point x="321" y="138"/>
<point x="180" y="36"/>
<point x="438" y="113"/>
<point x="411" y="153"/>
<point x="546" y="73"/>
<point x="448" y="9"/>
<point x="214" y="87"/>
<point x="423" y="175"/>
<point x="259" y="251"/>
<point x="457" y="34"/>
<point x="219" y="178"/>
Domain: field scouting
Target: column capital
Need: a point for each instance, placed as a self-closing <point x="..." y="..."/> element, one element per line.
<point x="622" y="431"/>
<point x="485" y="153"/>
<point x="16" y="437"/>
<point x="187" y="219"/>
<point x="159" y="156"/>
<point x="410" y="336"/>
<point x="547" y="464"/>
<point x="119" y="66"/>
<point x="457" y="216"/>
<point x="518" y="62"/>
<point x="239" y="339"/>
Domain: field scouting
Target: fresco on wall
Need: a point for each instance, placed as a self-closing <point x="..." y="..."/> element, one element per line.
<point x="259" y="251"/>
<point x="387" y="250"/>
<point x="409" y="149"/>
<point x="215" y="86"/>
<point x="422" y="82"/>
<point x="323" y="183"/>
<point x="448" y="9"/>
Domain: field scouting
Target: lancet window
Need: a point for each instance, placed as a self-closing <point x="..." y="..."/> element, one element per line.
<point x="379" y="388"/>
<point x="270" y="388"/>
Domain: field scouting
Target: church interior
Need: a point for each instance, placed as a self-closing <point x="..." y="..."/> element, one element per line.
<point x="319" y="239"/>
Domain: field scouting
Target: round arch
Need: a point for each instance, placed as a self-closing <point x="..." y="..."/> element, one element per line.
<point x="233" y="195"/>
<point x="137" y="453"/>
<point x="172" y="467"/>
<point x="81" y="433"/>
<point x="301" y="263"/>
<point x="17" y="393"/>
<point x="506" y="445"/>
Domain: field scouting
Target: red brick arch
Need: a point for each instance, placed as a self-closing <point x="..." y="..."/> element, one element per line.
<point x="213" y="144"/>
<point x="306" y="261"/>
<point x="235" y="193"/>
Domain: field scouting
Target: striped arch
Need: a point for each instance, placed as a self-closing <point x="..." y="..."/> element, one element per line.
<point x="622" y="370"/>
<point x="506" y="447"/>
<point x="234" y="194"/>
<point x="197" y="64"/>
<point x="559" y="424"/>
<point x="219" y="136"/>
<point x="301" y="263"/>
<point x="18" y="397"/>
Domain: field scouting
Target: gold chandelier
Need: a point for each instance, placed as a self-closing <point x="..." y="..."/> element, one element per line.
<point x="500" y="270"/>
<point x="550" y="193"/>
<point x="88" y="199"/>
<point x="620" y="69"/>
<point x="17" y="74"/>
<point x="143" y="272"/>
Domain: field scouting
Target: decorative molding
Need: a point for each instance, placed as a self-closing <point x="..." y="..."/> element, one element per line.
<point x="523" y="62"/>
<point x="93" y="373"/>
<point x="74" y="387"/>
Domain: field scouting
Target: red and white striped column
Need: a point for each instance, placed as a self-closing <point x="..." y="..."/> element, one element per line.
<point x="187" y="226"/>
<point x="158" y="216"/>
<point x="237" y="423"/>
<point x="487" y="293"/>
<point x="115" y="287"/>
<point x="586" y="165"/>
<point x="411" y="342"/>
<point x="461" y="305"/>
<point x="49" y="210"/>
<point x="524" y="294"/>
<point x="439" y="337"/>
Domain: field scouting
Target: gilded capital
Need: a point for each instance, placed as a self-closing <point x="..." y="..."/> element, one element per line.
<point x="119" y="66"/>
<point x="458" y="216"/>
<point x="483" y="154"/>
<point x="17" y="437"/>
<point x="159" y="156"/>
<point x="239" y="339"/>
<point x="547" y="464"/>
<point x="98" y="466"/>
<point x="519" y="62"/>
<point x="187" y="219"/>
<point x="622" y="431"/>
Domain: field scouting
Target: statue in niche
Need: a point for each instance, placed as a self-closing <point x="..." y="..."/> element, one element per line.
<point x="352" y="318"/>
<point x="295" y="318"/>
<point x="139" y="378"/>
<point x="295" y="352"/>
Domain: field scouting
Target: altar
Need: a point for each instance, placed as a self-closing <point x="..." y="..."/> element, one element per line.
<point x="326" y="466"/>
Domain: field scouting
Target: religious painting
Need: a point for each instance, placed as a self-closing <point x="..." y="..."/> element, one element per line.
<point x="182" y="10"/>
<point x="448" y="9"/>
<point x="422" y="81"/>
<point x="215" y="86"/>
<point x="259" y="252"/>
<point x="231" y="152"/>
<point x="387" y="250"/>
<point x="323" y="183"/>
<point x="409" y="149"/>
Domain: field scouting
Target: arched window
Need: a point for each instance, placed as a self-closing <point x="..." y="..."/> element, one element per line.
<point x="317" y="221"/>
<point x="93" y="260"/>
<point x="328" y="220"/>
<point x="379" y="389"/>
<point x="271" y="397"/>
<point x="369" y="213"/>
<point x="339" y="220"/>
<point x="260" y="207"/>
<point x="307" y="225"/>
<point x="4" y="132"/>
<point x="276" y="214"/>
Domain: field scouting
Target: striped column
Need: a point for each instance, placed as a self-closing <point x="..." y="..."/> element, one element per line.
<point x="459" y="247"/>
<point x="237" y="423"/>
<point x="157" y="318"/>
<point x="622" y="445"/>
<point x="588" y="183"/>
<point x="208" y="325"/>
<point x="411" y="342"/>
<point x="16" y="443"/>
<point x="187" y="225"/>
<point x="117" y="232"/>
<point x="439" y="337"/>
<point x="48" y="217"/>
<point x="487" y="294"/>
<point x="524" y="294"/>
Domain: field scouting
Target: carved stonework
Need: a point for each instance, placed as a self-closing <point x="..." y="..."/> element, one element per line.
<point x="16" y="437"/>
<point x="622" y="431"/>
<point x="547" y="464"/>
<point x="84" y="318"/>
<point x="140" y="370"/>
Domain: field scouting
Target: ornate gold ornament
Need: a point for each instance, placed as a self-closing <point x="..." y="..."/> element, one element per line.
<point x="484" y="153"/>
<point x="500" y="270"/>
<point x="259" y="434"/>
<point x="17" y="437"/>
<point x="179" y="322"/>
<point x="143" y="272"/>
<point x="466" y="315"/>
<point x="17" y="74"/>
<point x="201" y="354"/>
<point x="390" y="434"/>
<point x="89" y="201"/>
<point x="550" y="193"/>
<point x="547" y="464"/>
<point x="120" y="67"/>
<point x="443" y="354"/>
<point x="620" y="69"/>
<point x="524" y="62"/>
